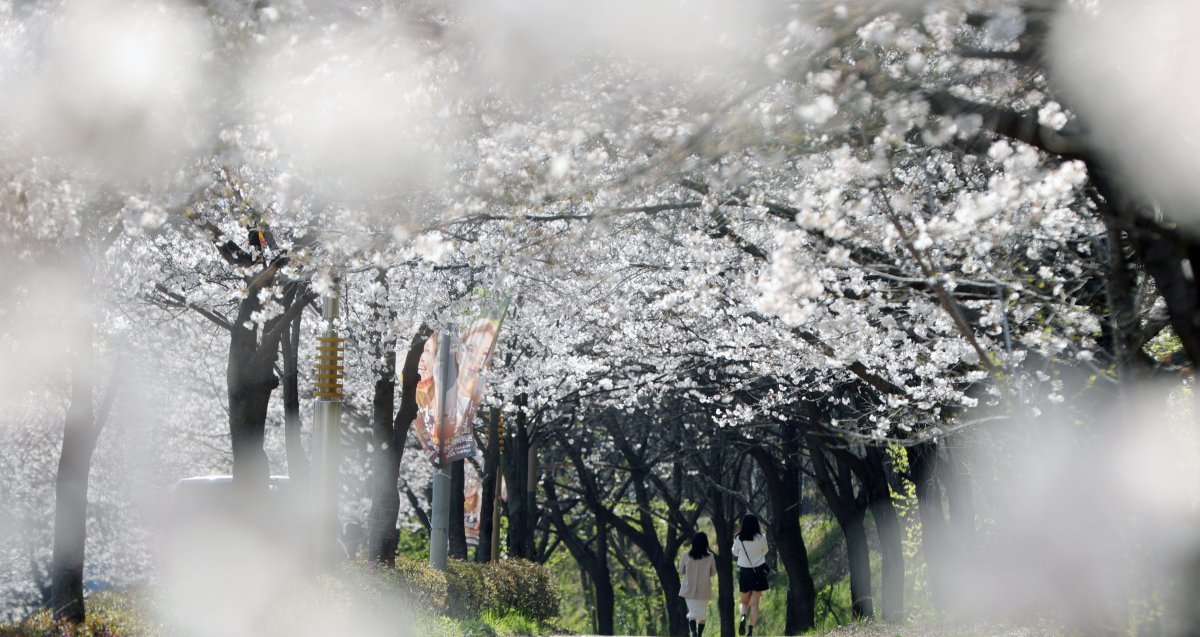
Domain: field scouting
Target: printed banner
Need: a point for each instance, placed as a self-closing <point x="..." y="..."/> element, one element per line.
<point x="456" y="392"/>
<point x="472" y="499"/>
<point x="425" y="424"/>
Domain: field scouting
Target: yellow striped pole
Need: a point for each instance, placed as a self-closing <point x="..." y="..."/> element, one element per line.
<point x="327" y="422"/>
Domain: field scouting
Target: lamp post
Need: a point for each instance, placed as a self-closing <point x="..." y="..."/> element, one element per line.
<point x="439" y="527"/>
<point x="327" y="420"/>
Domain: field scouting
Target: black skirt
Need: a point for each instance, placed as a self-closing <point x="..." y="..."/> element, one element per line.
<point x="752" y="580"/>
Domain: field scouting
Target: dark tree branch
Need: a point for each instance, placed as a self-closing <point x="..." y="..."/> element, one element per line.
<point x="174" y="299"/>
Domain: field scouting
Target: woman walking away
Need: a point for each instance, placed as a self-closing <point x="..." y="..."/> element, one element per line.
<point x="750" y="548"/>
<point x="697" y="567"/>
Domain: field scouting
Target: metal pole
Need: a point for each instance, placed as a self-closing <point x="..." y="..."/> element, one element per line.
<point x="439" y="526"/>
<point x="327" y="421"/>
<point x="439" y="535"/>
<point x="496" y="500"/>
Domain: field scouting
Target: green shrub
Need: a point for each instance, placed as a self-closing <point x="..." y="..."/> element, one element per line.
<point x="503" y="588"/>
<point x="468" y="592"/>
<point x="524" y="587"/>
<point x="513" y="597"/>
<point x="424" y="585"/>
<point x="108" y="615"/>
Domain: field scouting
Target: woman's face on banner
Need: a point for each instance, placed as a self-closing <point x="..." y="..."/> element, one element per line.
<point x="425" y="380"/>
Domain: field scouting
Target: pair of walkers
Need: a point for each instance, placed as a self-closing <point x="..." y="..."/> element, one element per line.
<point x="697" y="567"/>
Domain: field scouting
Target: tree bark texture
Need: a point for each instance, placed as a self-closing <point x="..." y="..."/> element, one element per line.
<point x="593" y="561"/>
<point x="390" y="435"/>
<point x="723" y="527"/>
<point x="955" y="477"/>
<point x="849" y="509"/>
<point x="643" y="533"/>
<point x="71" y="484"/>
<point x="661" y="553"/>
<point x="382" y="536"/>
<point x="457" y="532"/>
<point x="783" y="490"/>
<point x="297" y="459"/>
<point x="250" y="378"/>
<point x="858" y="552"/>
<point x="516" y="478"/>
<point x="891" y="534"/>
<point x="487" y="488"/>
<point x="935" y="531"/>
<point x="81" y="430"/>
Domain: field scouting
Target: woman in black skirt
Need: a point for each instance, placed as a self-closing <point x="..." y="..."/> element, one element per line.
<point x="750" y="548"/>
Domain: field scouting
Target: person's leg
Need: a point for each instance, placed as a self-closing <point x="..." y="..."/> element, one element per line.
<point x="753" y="601"/>
<point x="745" y="607"/>
<point x="696" y="610"/>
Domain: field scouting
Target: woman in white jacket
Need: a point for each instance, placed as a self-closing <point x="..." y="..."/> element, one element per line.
<point x="750" y="549"/>
<point x="697" y="568"/>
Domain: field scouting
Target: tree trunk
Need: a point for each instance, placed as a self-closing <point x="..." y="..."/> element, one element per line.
<point x="81" y="430"/>
<point x="297" y="460"/>
<point x="724" y="529"/>
<point x="457" y="532"/>
<point x="891" y="539"/>
<point x="849" y="511"/>
<point x="531" y="506"/>
<point x="390" y="436"/>
<point x="249" y="395"/>
<point x="487" y="488"/>
<point x="956" y="479"/>
<point x="594" y="562"/>
<point x="645" y="535"/>
<point x="858" y="551"/>
<point x="70" y="520"/>
<point x="516" y="478"/>
<point x="71" y="484"/>
<point x="783" y="490"/>
<point x="382" y="536"/>
<point x="935" y="532"/>
<point x="668" y="577"/>
<point x="802" y="593"/>
<point x="663" y="555"/>
<point x="606" y="603"/>
<point x="891" y="536"/>
<point x="250" y="379"/>
<point x="407" y="413"/>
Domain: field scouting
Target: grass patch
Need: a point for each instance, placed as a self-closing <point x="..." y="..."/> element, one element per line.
<point x="508" y="624"/>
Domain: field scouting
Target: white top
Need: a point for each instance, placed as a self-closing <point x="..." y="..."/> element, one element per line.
<point x="752" y="553"/>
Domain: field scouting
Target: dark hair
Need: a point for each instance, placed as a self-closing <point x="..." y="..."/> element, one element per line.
<point x="699" y="545"/>
<point x="750" y="528"/>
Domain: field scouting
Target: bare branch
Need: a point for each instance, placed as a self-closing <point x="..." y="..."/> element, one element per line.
<point x="174" y="299"/>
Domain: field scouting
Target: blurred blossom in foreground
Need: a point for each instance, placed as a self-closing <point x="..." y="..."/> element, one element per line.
<point x="527" y="41"/>
<point x="222" y="577"/>
<point x="354" y="111"/>
<point x="1086" y="519"/>
<point x="35" y="302"/>
<point x="1132" y="72"/>
<point x="116" y="89"/>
